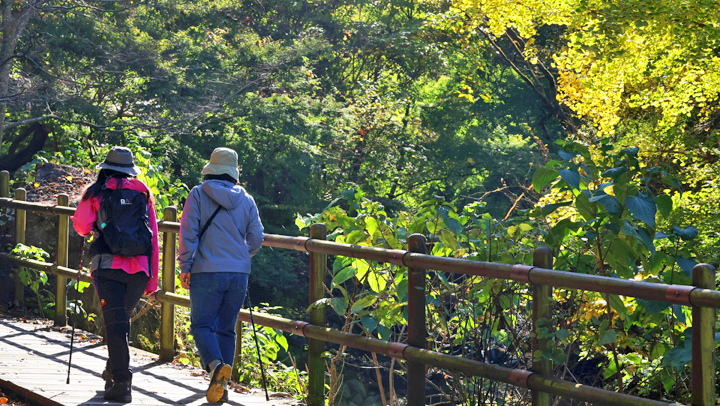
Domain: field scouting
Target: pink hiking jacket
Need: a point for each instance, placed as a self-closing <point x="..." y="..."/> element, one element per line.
<point x="84" y="218"/>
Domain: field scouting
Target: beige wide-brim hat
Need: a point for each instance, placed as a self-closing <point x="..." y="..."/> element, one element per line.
<point x="120" y="159"/>
<point x="223" y="161"/>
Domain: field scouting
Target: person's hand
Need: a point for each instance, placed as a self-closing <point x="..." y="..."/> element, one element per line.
<point x="185" y="280"/>
<point x="152" y="298"/>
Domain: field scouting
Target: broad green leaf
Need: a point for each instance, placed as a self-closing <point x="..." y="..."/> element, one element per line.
<point x="444" y="280"/>
<point x="677" y="357"/>
<point x="402" y="290"/>
<point x="504" y="302"/>
<point x="549" y="208"/>
<point x="280" y="339"/>
<point x="558" y="355"/>
<point x="609" y="337"/>
<point x="646" y="238"/>
<point x="371" y="226"/>
<point x="361" y="268"/>
<point x="340" y="263"/>
<point x="634" y="358"/>
<point x="320" y="303"/>
<point x="369" y="323"/>
<point x="567" y="156"/>
<point x="668" y="381"/>
<point x="586" y="209"/>
<point x="615" y="172"/>
<point x="642" y="209"/>
<point x="339" y="305"/>
<point x="665" y="204"/>
<point x="363" y="303"/>
<point x="673" y="182"/>
<point x="384" y="332"/>
<point x="610" y="368"/>
<point x="376" y="282"/>
<point x="679" y="313"/>
<point x="633" y="152"/>
<point x="344" y="275"/>
<point x="652" y="306"/>
<point x="617" y="304"/>
<point x="449" y="239"/>
<point x="453" y="225"/>
<point x="620" y="256"/>
<point x="300" y="223"/>
<point x="658" y="351"/>
<point x="686" y="264"/>
<point x="611" y="204"/>
<point x="688" y="233"/>
<point x="356" y="237"/>
<point x="525" y="227"/>
<point x="542" y="177"/>
<point x="572" y="177"/>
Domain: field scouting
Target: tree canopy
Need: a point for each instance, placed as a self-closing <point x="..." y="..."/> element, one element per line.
<point x="587" y="126"/>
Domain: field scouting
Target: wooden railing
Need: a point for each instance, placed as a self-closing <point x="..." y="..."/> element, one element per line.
<point x="701" y="296"/>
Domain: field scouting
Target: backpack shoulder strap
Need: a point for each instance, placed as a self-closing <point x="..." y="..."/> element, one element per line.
<point x="208" y="222"/>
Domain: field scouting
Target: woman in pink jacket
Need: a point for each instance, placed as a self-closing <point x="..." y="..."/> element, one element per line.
<point x="119" y="280"/>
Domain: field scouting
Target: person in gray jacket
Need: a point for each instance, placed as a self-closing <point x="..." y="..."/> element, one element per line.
<point x="220" y="230"/>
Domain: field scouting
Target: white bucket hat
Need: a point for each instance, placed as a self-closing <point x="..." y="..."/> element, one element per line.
<point x="120" y="159"/>
<point x="223" y="161"/>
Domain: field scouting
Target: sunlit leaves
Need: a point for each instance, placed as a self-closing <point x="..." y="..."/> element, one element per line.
<point x="542" y="177"/>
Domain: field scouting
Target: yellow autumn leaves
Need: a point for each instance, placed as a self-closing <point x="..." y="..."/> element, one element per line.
<point x="657" y="58"/>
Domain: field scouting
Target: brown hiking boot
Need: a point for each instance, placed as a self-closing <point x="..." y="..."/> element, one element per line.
<point x="218" y="379"/>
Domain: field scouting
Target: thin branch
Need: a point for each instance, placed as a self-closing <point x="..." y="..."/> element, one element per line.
<point x="84" y="123"/>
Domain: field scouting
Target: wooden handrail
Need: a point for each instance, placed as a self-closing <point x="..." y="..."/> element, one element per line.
<point x="701" y="297"/>
<point x="517" y="377"/>
<point x="675" y="294"/>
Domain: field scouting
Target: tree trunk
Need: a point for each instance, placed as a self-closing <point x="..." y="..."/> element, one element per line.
<point x="5" y="55"/>
<point x="12" y="26"/>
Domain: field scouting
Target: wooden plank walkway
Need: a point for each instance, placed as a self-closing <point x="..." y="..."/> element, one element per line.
<point x="34" y="360"/>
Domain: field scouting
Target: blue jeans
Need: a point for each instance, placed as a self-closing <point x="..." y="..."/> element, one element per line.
<point x="215" y="301"/>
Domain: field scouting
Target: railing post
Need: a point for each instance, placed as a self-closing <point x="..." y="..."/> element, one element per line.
<point x="4" y="184"/>
<point x="238" y="350"/>
<point x="61" y="259"/>
<point x="316" y="365"/>
<point x="703" y="341"/>
<point x="542" y="295"/>
<point x="167" y="310"/>
<point x="417" y="332"/>
<point x="20" y="227"/>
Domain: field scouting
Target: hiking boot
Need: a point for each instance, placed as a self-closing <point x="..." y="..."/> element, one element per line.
<point x="120" y="392"/>
<point x="224" y="397"/>
<point x="108" y="378"/>
<point x="218" y="380"/>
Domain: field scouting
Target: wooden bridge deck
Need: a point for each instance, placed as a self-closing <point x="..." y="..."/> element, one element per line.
<point x="34" y="363"/>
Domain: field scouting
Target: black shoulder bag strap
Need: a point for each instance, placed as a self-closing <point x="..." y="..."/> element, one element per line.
<point x="208" y="222"/>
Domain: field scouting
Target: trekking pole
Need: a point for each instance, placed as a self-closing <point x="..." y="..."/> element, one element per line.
<point x="262" y="370"/>
<point x="77" y="293"/>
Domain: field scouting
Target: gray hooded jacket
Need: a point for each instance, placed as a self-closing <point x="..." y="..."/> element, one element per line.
<point x="233" y="237"/>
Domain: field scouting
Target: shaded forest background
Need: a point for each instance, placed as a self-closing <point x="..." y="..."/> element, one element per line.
<point x="489" y="110"/>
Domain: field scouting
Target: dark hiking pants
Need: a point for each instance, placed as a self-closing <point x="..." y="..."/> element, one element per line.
<point x="119" y="293"/>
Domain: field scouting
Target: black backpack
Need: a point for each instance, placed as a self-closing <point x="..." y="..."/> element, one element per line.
<point x="124" y="222"/>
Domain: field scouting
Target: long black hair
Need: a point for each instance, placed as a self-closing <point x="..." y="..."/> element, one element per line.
<point x="96" y="188"/>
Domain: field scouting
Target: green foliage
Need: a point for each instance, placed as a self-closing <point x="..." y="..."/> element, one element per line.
<point x="467" y="316"/>
<point x="281" y="375"/>
<point x="603" y="215"/>
<point x="35" y="280"/>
